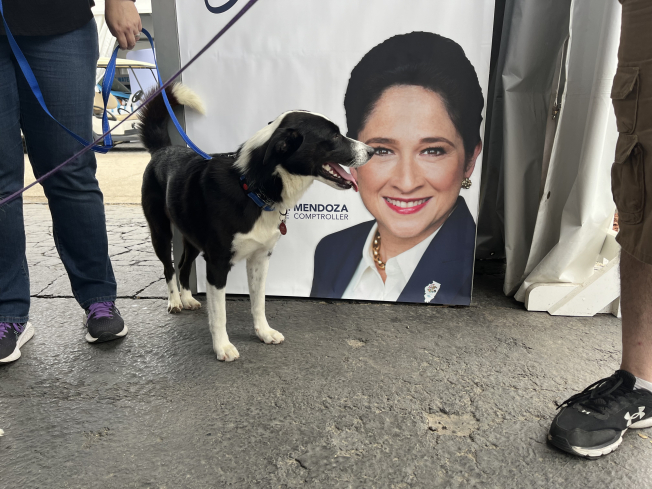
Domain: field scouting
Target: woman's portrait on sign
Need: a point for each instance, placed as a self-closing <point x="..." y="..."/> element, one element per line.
<point x="416" y="99"/>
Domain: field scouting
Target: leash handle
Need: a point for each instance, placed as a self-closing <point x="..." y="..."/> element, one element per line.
<point x="107" y="83"/>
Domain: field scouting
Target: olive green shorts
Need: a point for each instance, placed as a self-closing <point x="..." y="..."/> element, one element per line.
<point x="631" y="174"/>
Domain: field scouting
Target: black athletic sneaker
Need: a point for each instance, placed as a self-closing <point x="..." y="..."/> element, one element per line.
<point x="103" y="322"/>
<point x="593" y="422"/>
<point x="12" y="337"/>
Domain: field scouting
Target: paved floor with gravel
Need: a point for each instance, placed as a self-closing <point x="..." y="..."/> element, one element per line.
<point x="359" y="395"/>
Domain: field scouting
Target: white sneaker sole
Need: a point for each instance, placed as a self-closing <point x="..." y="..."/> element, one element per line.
<point x="594" y="453"/>
<point x="122" y="333"/>
<point x="90" y="339"/>
<point x="23" y="338"/>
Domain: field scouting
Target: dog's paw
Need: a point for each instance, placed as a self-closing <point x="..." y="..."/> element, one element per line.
<point x="189" y="302"/>
<point x="174" y="306"/>
<point x="270" y="336"/>
<point x="227" y="353"/>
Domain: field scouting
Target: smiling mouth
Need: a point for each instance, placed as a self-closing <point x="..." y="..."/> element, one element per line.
<point x="407" y="206"/>
<point x="335" y="173"/>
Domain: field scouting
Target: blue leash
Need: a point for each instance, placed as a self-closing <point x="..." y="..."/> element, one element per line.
<point x="106" y="92"/>
<point x="167" y="104"/>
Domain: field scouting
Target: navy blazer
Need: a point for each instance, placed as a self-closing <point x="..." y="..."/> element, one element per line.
<point x="448" y="260"/>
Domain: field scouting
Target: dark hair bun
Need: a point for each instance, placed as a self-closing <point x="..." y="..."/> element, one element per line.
<point x="424" y="59"/>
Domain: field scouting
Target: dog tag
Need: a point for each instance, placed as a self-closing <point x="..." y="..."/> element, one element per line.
<point x="282" y="228"/>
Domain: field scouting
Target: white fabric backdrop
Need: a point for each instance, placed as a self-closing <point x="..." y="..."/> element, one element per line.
<point x="552" y="231"/>
<point x="299" y="54"/>
<point x="533" y="35"/>
<point x="577" y="208"/>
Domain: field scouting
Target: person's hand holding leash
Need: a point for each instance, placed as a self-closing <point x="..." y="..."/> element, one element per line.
<point x="124" y="22"/>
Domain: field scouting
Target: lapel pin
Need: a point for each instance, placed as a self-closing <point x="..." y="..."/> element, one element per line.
<point x="431" y="291"/>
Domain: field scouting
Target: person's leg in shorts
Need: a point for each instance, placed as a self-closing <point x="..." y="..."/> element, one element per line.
<point x="592" y="423"/>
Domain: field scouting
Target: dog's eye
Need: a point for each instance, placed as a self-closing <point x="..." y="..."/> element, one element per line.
<point x="335" y="137"/>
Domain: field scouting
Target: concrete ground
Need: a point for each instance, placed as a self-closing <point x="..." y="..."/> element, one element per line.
<point x="119" y="172"/>
<point x="359" y="395"/>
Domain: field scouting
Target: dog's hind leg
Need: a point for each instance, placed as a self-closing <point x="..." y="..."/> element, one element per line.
<point x="185" y="267"/>
<point x="163" y="248"/>
<point x="161" y="231"/>
<point x="257" y="266"/>
<point x="216" y="304"/>
<point x="162" y="242"/>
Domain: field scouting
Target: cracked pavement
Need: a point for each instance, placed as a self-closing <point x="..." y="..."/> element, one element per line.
<point x="359" y="395"/>
<point x="137" y="270"/>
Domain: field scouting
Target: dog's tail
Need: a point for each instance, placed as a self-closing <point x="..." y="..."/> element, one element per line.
<point x="154" y="116"/>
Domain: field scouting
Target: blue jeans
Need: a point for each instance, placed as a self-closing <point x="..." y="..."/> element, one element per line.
<point x="64" y="66"/>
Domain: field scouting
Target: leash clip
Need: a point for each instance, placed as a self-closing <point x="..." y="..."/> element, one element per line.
<point x="259" y="198"/>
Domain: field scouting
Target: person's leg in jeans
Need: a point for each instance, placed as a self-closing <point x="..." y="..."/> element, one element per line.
<point x="64" y="66"/>
<point x="592" y="423"/>
<point x="14" y="277"/>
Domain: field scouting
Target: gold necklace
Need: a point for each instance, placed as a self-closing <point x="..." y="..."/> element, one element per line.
<point x="375" y="247"/>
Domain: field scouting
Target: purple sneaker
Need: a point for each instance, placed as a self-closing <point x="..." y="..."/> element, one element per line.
<point x="103" y="322"/>
<point x="12" y="337"/>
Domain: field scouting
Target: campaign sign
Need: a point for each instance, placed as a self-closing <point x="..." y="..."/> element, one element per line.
<point x="407" y="78"/>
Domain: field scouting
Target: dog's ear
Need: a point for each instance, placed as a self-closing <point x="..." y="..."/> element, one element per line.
<point x="284" y="143"/>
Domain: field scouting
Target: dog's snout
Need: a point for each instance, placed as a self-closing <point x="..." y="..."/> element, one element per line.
<point x="370" y="151"/>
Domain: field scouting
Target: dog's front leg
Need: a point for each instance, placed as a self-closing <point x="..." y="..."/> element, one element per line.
<point x="257" y="266"/>
<point x="216" y="301"/>
<point x="174" y="299"/>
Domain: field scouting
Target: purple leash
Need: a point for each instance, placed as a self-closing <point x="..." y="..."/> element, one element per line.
<point x="86" y="149"/>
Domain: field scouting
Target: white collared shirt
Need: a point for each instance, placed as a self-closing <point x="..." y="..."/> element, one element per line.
<point x="367" y="283"/>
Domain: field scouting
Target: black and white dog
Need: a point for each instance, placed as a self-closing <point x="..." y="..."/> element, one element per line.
<point x="219" y="205"/>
